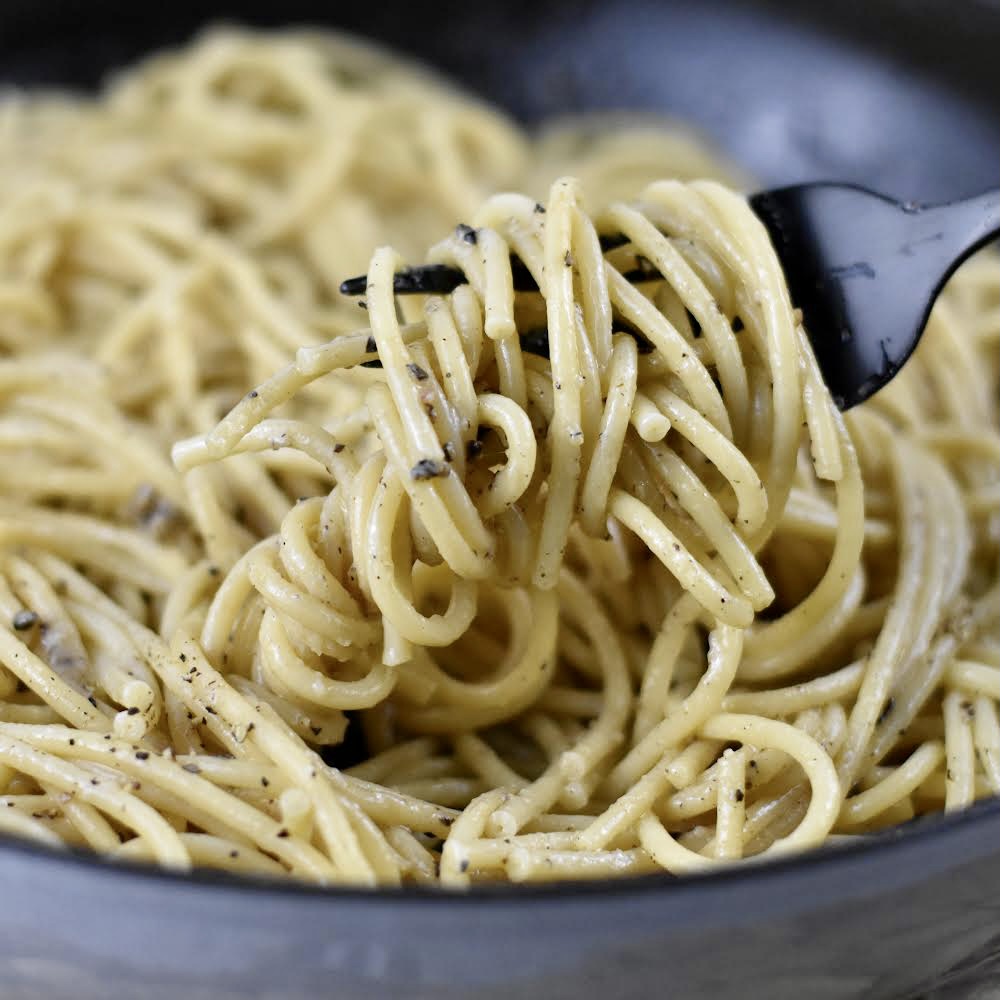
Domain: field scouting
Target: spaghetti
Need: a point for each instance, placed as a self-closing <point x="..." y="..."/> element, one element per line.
<point x="570" y="583"/>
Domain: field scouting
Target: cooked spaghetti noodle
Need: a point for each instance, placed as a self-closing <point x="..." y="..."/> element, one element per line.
<point x="562" y="584"/>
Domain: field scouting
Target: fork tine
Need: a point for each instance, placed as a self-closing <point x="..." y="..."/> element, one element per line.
<point x="434" y="279"/>
<point x="427" y="280"/>
<point x="440" y="279"/>
<point x="354" y="286"/>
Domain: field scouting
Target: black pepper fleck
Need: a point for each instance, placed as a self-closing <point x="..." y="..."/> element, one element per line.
<point x="24" y="620"/>
<point x="427" y="468"/>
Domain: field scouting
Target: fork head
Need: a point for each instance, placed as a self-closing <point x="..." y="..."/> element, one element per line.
<point x="865" y="271"/>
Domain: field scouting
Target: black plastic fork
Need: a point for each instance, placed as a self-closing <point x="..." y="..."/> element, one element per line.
<point x="863" y="268"/>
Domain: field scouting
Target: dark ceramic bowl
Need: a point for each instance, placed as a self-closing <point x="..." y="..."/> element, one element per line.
<point x="904" y="96"/>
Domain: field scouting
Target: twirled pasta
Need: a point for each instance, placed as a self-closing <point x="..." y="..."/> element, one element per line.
<point x="530" y="585"/>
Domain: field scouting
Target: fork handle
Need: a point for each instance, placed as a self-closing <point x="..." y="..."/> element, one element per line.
<point x="961" y="227"/>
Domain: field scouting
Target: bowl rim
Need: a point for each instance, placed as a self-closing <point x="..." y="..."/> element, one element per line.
<point x="930" y="830"/>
